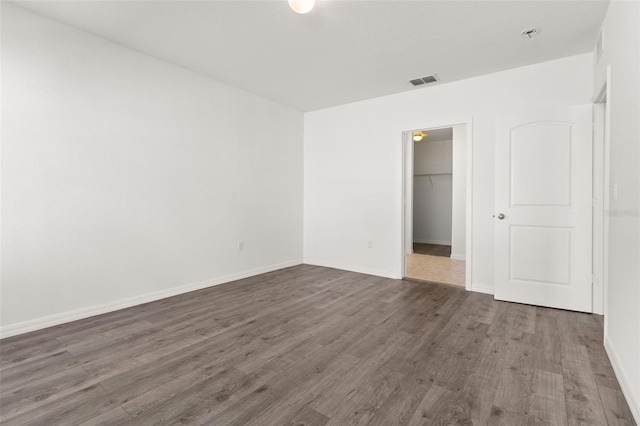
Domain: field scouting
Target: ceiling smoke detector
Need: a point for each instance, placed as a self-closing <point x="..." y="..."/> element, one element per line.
<point x="529" y="33"/>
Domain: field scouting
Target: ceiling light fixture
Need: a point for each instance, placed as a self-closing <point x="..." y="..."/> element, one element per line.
<point x="301" y="6"/>
<point x="418" y="136"/>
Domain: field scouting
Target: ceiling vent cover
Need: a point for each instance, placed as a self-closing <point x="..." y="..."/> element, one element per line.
<point x="424" y="80"/>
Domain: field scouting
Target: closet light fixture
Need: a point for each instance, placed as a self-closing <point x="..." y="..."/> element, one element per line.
<point x="418" y="136"/>
<point x="301" y="6"/>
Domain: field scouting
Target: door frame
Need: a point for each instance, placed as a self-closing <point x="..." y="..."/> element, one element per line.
<point x="406" y="187"/>
<point x="601" y="173"/>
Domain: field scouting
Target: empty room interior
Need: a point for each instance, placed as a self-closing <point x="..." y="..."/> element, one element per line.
<point x="324" y="212"/>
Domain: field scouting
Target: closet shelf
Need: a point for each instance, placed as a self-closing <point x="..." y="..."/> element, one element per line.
<point x="431" y="174"/>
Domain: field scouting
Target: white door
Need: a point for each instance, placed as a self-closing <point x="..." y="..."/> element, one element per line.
<point x="543" y="208"/>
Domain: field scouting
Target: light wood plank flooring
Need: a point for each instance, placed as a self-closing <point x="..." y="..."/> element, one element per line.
<point x="315" y="346"/>
<point x="436" y="269"/>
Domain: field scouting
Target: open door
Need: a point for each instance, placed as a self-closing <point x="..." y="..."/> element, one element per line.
<point x="543" y="208"/>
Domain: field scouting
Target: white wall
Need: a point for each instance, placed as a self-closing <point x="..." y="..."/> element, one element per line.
<point x="432" y="157"/>
<point x="349" y="200"/>
<point x="459" y="193"/>
<point x="622" y="301"/>
<point x="125" y="178"/>
<point x="432" y="191"/>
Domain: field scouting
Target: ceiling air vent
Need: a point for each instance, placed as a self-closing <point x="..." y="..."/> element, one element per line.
<point x="424" y="80"/>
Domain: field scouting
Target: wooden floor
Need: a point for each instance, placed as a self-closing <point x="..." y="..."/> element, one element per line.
<point x="435" y="269"/>
<point x="315" y="346"/>
<point x="432" y="249"/>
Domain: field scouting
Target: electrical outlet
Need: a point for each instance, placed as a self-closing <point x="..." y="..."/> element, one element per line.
<point x="614" y="191"/>
<point x="370" y="243"/>
<point x="240" y="245"/>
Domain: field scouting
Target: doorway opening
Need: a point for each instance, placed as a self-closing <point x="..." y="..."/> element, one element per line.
<point x="436" y="201"/>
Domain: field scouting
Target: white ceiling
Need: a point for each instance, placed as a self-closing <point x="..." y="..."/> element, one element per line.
<point x="342" y="51"/>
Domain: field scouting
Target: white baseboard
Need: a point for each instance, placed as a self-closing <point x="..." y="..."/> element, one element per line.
<point x="352" y="268"/>
<point x="632" y="400"/>
<point x="439" y="242"/>
<point x="64" y="317"/>
<point x="458" y="257"/>
<point x="479" y="288"/>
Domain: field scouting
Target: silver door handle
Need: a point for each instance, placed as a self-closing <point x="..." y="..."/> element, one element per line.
<point x="501" y="216"/>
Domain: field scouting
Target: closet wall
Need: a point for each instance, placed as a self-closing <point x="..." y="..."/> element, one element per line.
<point x="432" y="192"/>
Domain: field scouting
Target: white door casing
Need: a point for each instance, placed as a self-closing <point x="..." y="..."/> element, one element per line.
<point x="543" y="188"/>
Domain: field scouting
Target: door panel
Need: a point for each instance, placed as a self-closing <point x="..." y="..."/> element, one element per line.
<point x="532" y="185"/>
<point x="543" y="189"/>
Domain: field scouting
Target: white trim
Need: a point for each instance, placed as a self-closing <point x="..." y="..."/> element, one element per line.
<point x="469" y="204"/>
<point x="597" y="208"/>
<point x="458" y="257"/>
<point x="599" y="47"/>
<point x="601" y="171"/>
<point x="407" y="197"/>
<point x="57" y="319"/>
<point x="407" y="142"/>
<point x="632" y="400"/>
<point x="606" y="201"/>
<point x="439" y="242"/>
<point x="352" y="268"/>
<point x="479" y="288"/>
